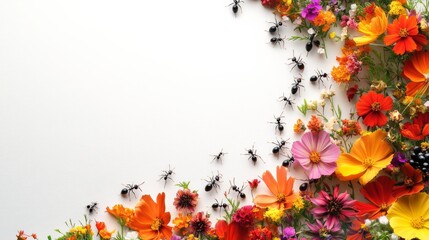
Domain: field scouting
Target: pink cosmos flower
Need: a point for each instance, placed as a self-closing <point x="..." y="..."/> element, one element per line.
<point x="316" y="154"/>
<point x="320" y="231"/>
<point x="333" y="207"/>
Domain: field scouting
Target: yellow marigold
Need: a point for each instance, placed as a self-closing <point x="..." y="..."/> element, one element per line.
<point x="340" y="74"/>
<point x="325" y="19"/>
<point x="284" y="7"/>
<point x="181" y="222"/>
<point x="192" y="237"/>
<point x="122" y="214"/>
<point x="298" y="204"/>
<point x="332" y="35"/>
<point x="396" y="8"/>
<point x="274" y="214"/>
<point x="299" y="126"/>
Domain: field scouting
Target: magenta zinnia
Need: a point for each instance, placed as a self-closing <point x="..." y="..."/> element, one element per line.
<point x="316" y="154"/>
<point x="333" y="207"/>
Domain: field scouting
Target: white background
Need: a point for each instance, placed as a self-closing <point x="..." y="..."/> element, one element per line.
<point x="94" y="94"/>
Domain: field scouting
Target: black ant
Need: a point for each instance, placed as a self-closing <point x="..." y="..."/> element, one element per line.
<point x="287" y="162"/>
<point x="279" y="146"/>
<point x="130" y="188"/>
<point x="213" y="182"/>
<point x="252" y="155"/>
<point x="319" y="76"/>
<point x="296" y="85"/>
<point x="218" y="156"/>
<point x="240" y="191"/>
<point x="276" y="26"/>
<point x="277" y="40"/>
<point x="279" y="123"/>
<point x="287" y="100"/>
<point x="309" y="45"/>
<point x="167" y="175"/>
<point x="220" y="205"/>
<point x="92" y="207"/>
<point x="297" y="63"/>
<point x="235" y="5"/>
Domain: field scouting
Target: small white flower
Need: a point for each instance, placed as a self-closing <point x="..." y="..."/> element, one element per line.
<point x="394" y="237"/>
<point x="353" y="7"/>
<point x="344" y="33"/>
<point x="297" y="21"/>
<point x="322" y="102"/>
<point x="321" y="50"/>
<point x="368" y="222"/>
<point x="132" y="236"/>
<point x="324" y="94"/>
<point x="286" y="18"/>
<point x="311" y="31"/>
<point x="330" y="124"/>
<point x="383" y="220"/>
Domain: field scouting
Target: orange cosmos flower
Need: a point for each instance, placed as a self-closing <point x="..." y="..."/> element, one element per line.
<point x="282" y="190"/>
<point x="379" y="193"/>
<point x="416" y="69"/>
<point x="372" y="26"/>
<point x="369" y="154"/>
<point x="405" y="33"/>
<point x="151" y="220"/>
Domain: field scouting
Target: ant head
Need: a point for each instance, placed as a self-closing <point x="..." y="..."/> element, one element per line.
<point x="250" y="151"/>
<point x="283" y="142"/>
<point x="280" y="23"/>
<point x="294" y="59"/>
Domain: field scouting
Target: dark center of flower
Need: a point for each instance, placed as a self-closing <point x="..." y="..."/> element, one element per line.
<point x="403" y="32"/>
<point x="281" y="197"/>
<point x="384" y="207"/>
<point x="314" y="157"/>
<point x="156" y="224"/>
<point x="185" y="201"/>
<point x="375" y="106"/>
<point x="199" y="227"/>
<point x="417" y="222"/>
<point x="334" y="207"/>
<point x="408" y="182"/>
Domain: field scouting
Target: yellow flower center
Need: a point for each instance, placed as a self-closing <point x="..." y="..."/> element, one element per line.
<point x="403" y="32"/>
<point x="156" y="225"/>
<point x="375" y="106"/>
<point x="368" y="162"/>
<point x="314" y="157"/>
<point x="417" y="222"/>
<point x="281" y="197"/>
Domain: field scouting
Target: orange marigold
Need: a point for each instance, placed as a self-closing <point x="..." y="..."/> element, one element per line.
<point x="340" y="74"/>
<point x="325" y="19"/>
<point x="315" y="124"/>
<point x="122" y="214"/>
<point x="299" y="126"/>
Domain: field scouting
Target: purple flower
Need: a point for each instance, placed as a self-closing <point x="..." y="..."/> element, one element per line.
<point x="288" y="232"/>
<point x="316" y="154"/>
<point x="325" y="231"/>
<point x="174" y="237"/>
<point x="399" y="159"/>
<point x="334" y="207"/>
<point x="312" y="10"/>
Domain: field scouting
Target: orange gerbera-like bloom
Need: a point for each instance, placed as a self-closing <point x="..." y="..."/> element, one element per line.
<point x="151" y="220"/>
<point x="379" y="193"/>
<point x="372" y="26"/>
<point x="370" y="107"/>
<point x="325" y="19"/>
<point x="369" y="154"/>
<point x="122" y="214"/>
<point x="413" y="182"/>
<point x="405" y="33"/>
<point x="416" y="69"/>
<point x="282" y="190"/>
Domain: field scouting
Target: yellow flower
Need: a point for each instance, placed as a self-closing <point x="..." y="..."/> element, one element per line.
<point x="332" y="35"/>
<point x="181" y="222"/>
<point x="274" y="214"/>
<point x="372" y="27"/>
<point x="409" y="216"/>
<point x="396" y="8"/>
<point x="191" y="237"/>
<point x="369" y="154"/>
<point x="298" y="204"/>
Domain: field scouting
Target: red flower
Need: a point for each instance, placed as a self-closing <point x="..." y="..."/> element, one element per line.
<point x="413" y="182"/>
<point x="351" y="92"/>
<point x="419" y="129"/>
<point x="270" y="3"/>
<point x="254" y="183"/>
<point x="100" y="225"/>
<point x="379" y="193"/>
<point x="405" y="33"/>
<point x="370" y="107"/>
<point x="358" y="230"/>
<point x="232" y="231"/>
